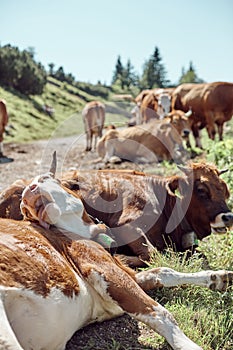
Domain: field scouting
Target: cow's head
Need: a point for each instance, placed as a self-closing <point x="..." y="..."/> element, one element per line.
<point x="204" y="196"/>
<point x="46" y="201"/>
<point x="179" y="120"/>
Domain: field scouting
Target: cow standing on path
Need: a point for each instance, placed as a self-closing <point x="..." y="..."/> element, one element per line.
<point x="93" y="118"/>
<point x="55" y="280"/>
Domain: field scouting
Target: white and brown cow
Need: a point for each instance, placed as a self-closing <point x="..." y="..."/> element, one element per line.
<point x="55" y="279"/>
<point x="93" y="118"/>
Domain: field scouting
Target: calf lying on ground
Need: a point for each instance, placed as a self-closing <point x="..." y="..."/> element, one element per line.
<point x="55" y="281"/>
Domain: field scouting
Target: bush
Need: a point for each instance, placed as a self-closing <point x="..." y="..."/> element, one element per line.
<point x="221" y="154"/>
<point x="20" y="71"/>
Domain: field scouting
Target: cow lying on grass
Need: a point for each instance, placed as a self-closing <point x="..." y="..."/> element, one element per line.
<point x="55" y="279"/>
<point x="156" y="141"/>
<point x="146" y="211"/>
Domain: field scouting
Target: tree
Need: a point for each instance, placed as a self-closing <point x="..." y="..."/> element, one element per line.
<point x="20" y="71"/>
<point x="118" y="72"/>
<point x="130" y="77"/>
<point x="51" y="69"/>
<point x="189" y="76"/>
<point x="154" y="73"/>
<point x="60" y="74"/>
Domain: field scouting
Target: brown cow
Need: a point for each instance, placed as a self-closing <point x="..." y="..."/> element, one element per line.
<point x="93" y="117"/>
<point x="211" y="104"/>
<point x="149" y="107"/>
<point x="167" y="211"/>
<point x="156" y="141"/>
<point x="145" y="210"/>
<point x="3" y="122"/>
<point x="152" y="104"/>
<point x="55" y="279"/>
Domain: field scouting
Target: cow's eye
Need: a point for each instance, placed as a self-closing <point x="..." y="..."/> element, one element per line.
<point x="43" y="178"/>
<point x="203" y="192"/>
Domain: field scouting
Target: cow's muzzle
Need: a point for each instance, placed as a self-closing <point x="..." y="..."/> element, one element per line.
<point x="222" y="222"/>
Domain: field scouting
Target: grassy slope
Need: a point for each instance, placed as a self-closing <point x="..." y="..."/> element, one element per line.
<point x="31" y="123"/>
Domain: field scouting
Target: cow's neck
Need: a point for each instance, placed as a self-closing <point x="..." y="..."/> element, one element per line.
<point x="72" y="225"/>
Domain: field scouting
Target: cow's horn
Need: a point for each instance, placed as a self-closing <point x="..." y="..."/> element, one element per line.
<point x="53" y="166"/>
<point x="184" y="169"/>
<point x="220" y="172"/>
<point x="189" y="113"/>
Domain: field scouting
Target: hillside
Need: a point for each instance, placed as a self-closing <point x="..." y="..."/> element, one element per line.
<point x="30" y="121"/>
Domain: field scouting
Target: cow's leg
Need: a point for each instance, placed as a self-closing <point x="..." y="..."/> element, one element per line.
<point x="210" y="127"/>
<point x="8" y="339"/>
<point x="120" y="292"/>
<point x="196" y="134"/>
<point x="110" y="149"/>
<point x="1" y="149"/>
<point x="87" y="141"/>
<point x="220" y="131"/>
<point x="166" y="277"/>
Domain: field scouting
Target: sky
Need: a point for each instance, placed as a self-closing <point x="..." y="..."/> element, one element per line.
<point x="86" y="37"/>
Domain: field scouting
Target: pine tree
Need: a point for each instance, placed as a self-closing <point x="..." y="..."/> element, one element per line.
<point x="154" y="73"/>
<point x="189" y="76"/>
<point x="118" y="70"/>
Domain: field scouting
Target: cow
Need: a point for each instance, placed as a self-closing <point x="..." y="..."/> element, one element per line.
<point x="146" y="211"/>
<point x="3" y="123"/>
<point x="155" y="103"/>
<point x="152" y="142"/>
<point x="55" y="279"/>
<point x="149" y="107"/>
<point x="211" y="105"/>
<point x="93" y="116"/>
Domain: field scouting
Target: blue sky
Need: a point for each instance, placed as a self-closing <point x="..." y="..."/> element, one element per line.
<point x="85" y="37"/>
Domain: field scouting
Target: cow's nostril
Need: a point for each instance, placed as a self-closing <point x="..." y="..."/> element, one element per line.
<point x="33" y="187"/>
<point x="25" y="201"/>
<point x="228" y="219"/>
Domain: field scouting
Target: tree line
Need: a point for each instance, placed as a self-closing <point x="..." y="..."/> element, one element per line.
<point x="153" y="75"/>
<point x="19" y="70"/>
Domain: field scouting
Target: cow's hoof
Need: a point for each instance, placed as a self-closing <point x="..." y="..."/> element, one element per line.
<point x="220" y="280"/>
<point x="4" y="159"/>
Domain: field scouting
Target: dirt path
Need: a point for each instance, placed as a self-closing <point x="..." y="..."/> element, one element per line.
<point x="34" y="158"/>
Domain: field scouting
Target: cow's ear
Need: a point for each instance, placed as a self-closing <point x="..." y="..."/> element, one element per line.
<point x="53" y="166"/>
<point x="172" y="186"/>
<point x="177" y="186"/>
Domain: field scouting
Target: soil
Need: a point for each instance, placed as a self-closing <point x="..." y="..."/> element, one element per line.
<point x="34" y="158"/>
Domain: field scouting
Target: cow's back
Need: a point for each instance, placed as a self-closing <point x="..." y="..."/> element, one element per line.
<point x="178" y="95"/>
<point x="219" y="97"/>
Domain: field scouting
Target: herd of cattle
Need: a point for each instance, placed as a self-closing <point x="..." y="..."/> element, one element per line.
<point x="161" y="121"/>
<point x="69" y="247"/>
